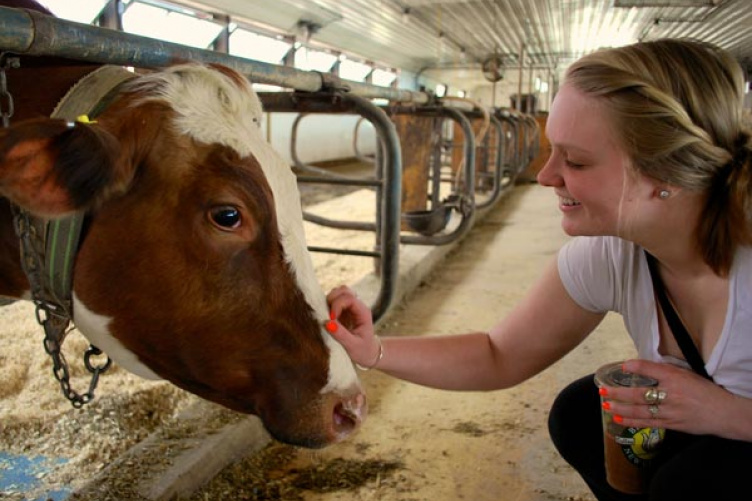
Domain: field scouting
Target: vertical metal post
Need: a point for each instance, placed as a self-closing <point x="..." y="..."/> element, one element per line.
<point x="518" y="101"/>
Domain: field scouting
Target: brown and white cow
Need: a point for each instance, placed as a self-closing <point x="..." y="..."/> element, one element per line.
<point x="193" y="267"/>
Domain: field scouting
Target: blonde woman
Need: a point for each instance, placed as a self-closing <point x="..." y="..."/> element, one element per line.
<point x="650" y="162"/>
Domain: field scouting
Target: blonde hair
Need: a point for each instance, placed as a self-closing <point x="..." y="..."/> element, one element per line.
<point x="677" y="110"/>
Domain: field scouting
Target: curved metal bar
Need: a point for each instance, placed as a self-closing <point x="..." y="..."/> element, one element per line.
<point x="525" y="148"/>
<point x="388" y="181"/>
<point x="312" y="169"/>
<point x="341" y="225"/>
<point x="499" y="162"/>
<point x="516" y="158"/>
<point x="33" y="33"/>
<point x="363" y="158"/>
<point x="534" y="138"/>
<point x="466" y="203"/>
<point x="294" y="150"/>
<point x="390" y="199"/>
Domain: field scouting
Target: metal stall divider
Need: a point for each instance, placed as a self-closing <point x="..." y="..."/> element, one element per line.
<point x="490" y="157"/>
<point x="430" y="222"/>
<point x="356" y="134"/>
<point x="386" y="181"/>
<point x="518" y="162"/>
<point x="533" y="140"/>
<point x="511" y="144"/>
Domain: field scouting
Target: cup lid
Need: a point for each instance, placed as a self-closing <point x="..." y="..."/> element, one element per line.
<point x="612" y="375"/>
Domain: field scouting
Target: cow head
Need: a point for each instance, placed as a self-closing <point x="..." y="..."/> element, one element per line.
<point x="194" y="265"/>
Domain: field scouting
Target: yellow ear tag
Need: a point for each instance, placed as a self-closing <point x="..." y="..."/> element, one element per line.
<point x="84" y="119"/>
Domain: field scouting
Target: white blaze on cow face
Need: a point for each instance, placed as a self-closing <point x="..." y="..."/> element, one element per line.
<point x="211" y="108"/>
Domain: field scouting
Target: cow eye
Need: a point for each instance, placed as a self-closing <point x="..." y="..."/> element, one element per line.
<point x="225" y="217"/>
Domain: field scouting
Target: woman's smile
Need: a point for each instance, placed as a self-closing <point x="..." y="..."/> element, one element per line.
<point x="567" y="202"/>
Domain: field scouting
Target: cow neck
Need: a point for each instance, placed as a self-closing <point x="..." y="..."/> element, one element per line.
<point x="48" y="247"/>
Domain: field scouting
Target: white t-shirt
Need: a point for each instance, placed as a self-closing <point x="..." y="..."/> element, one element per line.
<point x="610" y="274"/>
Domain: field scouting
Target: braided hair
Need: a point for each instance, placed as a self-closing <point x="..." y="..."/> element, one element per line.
<point x="677" y="105"/>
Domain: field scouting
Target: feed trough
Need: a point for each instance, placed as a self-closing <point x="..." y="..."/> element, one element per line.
<point x="428" y="222"/>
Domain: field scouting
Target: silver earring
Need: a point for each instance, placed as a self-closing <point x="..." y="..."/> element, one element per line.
<point x="664" y="194"/>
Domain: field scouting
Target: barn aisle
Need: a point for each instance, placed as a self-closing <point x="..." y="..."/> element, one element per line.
<point x="424" y="444"/>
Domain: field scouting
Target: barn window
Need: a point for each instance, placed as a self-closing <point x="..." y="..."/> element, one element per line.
<point x="171" y="23"/>
<point x="353" y="70"/>
<point x="80" y="12"/>
<point x="383" y="78"/>
<point x="314" y="60"/>
<point x="244" y="43"/>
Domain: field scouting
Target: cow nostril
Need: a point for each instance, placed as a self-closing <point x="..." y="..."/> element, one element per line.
<point x="344" y="419"/>
<point x="348" y="414"/>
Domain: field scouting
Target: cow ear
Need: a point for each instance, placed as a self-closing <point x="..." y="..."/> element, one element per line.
<point x="51" y="167"/>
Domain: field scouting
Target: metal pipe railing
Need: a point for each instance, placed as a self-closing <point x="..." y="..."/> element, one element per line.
<point x="32" y="33"/>
<point x="465" y="201"/>
<point x="498" y="163"/>
<point x="387" y="182"/>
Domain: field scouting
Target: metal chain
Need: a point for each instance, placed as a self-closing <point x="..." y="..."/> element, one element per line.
<point x="53" y="316"/>
<point x="6" y="99"/>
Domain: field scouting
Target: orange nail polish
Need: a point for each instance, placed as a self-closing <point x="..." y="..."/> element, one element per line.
<point x="606" y="405"/>
<point x="618" y="419"/>
<point x="332" y="316"/>
<point x="602" y="391"/>
<point x="331" y="326"/>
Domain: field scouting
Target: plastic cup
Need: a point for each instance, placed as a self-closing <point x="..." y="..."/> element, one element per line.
<point x="628" y="450"/>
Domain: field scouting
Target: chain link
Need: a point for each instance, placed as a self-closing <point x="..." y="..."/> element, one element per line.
<point x="6" y="99"/>
<point x="52" y="314"/>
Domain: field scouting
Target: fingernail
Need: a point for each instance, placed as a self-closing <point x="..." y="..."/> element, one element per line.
<point x="331" y="326"/>
<point x="618" y="418"/>
<point x="606" y="405"/>
<point x="602" y="391"/>
<point x="332" y="316"/>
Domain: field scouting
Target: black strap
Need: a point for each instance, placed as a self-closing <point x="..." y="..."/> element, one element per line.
<point x="681" y="335"/>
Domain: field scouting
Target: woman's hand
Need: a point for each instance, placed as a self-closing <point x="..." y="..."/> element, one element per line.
<point x="689" y="403"/>
<point x="351" y="325"/>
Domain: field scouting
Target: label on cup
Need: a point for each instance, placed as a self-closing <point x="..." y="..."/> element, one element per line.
<point x="640" y="445"/>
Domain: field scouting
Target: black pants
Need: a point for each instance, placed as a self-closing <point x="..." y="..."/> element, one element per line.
<point x="689" y="467"/>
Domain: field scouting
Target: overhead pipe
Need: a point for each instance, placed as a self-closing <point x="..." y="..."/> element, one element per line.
<point x="518" y="101"/>
<point x="32" y="33"/>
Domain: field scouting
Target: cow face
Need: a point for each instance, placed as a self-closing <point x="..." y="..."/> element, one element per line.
<point x="194" y="266"/>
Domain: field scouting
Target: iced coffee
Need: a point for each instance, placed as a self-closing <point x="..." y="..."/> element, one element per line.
<point x="628" y="450"/>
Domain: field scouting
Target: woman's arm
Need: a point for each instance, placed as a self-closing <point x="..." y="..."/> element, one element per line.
<point x="540" y="330"/>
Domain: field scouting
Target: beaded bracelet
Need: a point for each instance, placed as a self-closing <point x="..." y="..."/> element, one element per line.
<point x="378" y="357"/>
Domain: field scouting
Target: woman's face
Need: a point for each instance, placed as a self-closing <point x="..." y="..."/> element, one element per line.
<point x="589" y="171"/>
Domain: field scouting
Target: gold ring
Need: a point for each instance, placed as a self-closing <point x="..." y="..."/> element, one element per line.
<point x="653" y="409"/>
<point x="651" y="396"/>
<point x="661" y="396"/>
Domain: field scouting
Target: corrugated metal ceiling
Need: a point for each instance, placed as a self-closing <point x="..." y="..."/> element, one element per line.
<point x="426" y="35"/>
